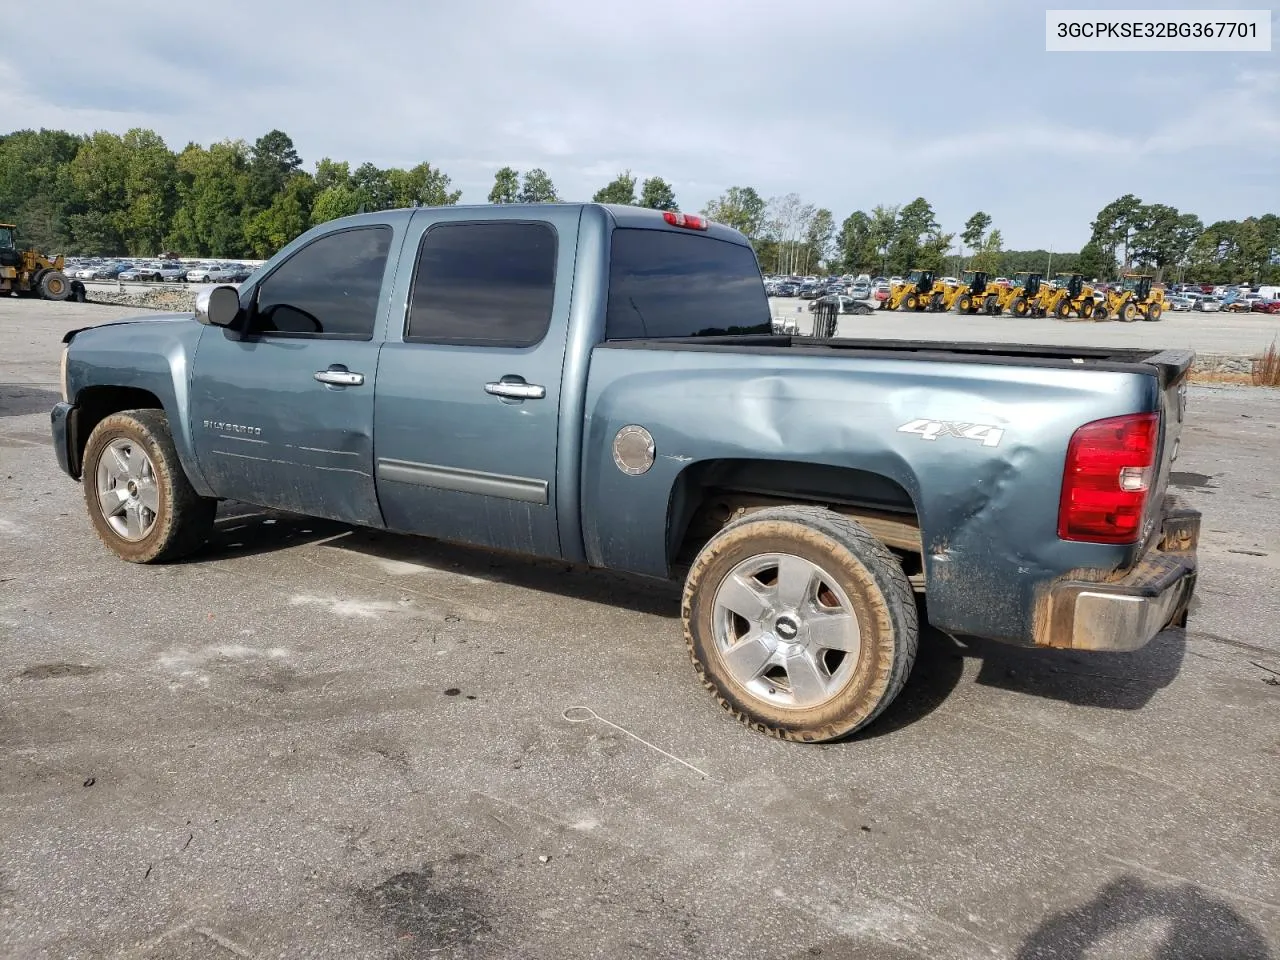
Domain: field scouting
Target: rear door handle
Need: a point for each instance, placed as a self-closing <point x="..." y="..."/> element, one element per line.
<point x="340" y="377"/>
<point x="516" y="390"/>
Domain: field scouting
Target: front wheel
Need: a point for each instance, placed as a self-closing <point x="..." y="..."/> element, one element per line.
<point x="1019" y="308"/>
<point x="800" y="622"/>
<point x="1127" y="313"/>
<point x="140" y="501"/>
<point x="912" y="302"/>
<point x="993" y="306"/>
<point x="1063" y="310"/>
<point x="1154" y="312"/>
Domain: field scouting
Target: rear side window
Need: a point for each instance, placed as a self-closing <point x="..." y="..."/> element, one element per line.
<point x="668" y="284"/>
<point x="329" y="288"/>
<point x="486" y="284"/>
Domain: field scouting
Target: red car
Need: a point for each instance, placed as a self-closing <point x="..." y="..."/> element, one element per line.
<point x="1265" y="306"/>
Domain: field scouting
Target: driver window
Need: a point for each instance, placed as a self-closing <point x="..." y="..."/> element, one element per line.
<point x="330" y="288"/>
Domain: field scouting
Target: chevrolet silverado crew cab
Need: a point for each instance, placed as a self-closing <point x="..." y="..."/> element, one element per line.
<point x="601" y="385"/>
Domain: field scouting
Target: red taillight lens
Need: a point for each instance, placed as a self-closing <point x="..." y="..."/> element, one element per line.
<point x="684" y="220"/>
<point x="1109" y="472"/>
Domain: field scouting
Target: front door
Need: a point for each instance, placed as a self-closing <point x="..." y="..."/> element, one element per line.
<point x="282" y="412"/>
<point x="469" y="388"/>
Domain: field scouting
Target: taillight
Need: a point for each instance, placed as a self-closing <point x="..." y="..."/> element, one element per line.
<point x="1109" y="472"/>
<point x="684" y="220"/>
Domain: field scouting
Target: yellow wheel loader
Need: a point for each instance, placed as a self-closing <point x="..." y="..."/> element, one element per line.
<point x="1017" y="297"/>
<point x="1072" y="295"/>
<point x="914" y="293"/>
<point x="971" y="295"/>
<point x="28" y="273"/>
<point x="1134" y="300"/>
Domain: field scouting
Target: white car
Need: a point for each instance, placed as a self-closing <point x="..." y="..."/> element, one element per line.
<point x="1208" y="305"/>
<point x="208" y="273"/>
<point x="950" y="281"/>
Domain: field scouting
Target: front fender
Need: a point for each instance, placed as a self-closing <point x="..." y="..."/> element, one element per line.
<point x="152" y="354"/>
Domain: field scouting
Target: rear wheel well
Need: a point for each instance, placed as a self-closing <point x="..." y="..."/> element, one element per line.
<point x="95" y="404"/>
<point x="710" y="494"/>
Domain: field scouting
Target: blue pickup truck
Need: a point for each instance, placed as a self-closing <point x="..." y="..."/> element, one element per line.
<point x="602" y="385"/>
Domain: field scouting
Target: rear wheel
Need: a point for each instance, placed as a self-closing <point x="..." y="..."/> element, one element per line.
<point x="800" y="622"/>
<point x="140" y="501"/>
<point x="54" y="285"/>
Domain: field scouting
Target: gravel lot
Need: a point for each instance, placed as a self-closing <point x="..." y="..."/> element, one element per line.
<point x="311" y="741"/>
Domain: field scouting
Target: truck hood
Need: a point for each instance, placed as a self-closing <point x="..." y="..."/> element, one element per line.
<point x="146" y="318"/>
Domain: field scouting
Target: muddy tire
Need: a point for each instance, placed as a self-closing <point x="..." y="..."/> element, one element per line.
<point x="1154" y="312"/>
<point x="140" y="501"/>
<point x="54" y="285"/>
<point x="800" y="622"/>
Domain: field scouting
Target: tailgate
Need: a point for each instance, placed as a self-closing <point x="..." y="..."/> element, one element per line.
<point x="1174" y="368"/>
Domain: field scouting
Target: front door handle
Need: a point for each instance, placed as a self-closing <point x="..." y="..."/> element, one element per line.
<point x="340" y="377"/>
<point x="516" y="390"/>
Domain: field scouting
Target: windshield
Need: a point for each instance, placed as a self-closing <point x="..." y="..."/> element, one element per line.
<point x="6" y="238"/>
<point x="667" y="284"/>
<point x="1131" y="283"/>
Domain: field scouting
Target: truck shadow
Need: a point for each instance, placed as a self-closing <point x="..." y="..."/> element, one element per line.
<point x="1120" y="681"/>
<point x="1109" y="681"/>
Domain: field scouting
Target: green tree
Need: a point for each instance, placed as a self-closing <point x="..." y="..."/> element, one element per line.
<point x="99" y="173"/>
<point x="213" y="189"/>
<point x="372" y="186"/>
<point x="1097" y="262"/>
<point x="915" y="220"/>
<point x="36" y="187"/>
<point x="656" y="194"/>
<point x="740" y="208"/>
<point x="856" y="245"/>
<point x="621" y="189"/>
<point x="272" y="161"/>
<point x="975" y="230"/>
<point x="884" y="225"/>
<point x="988" y="257"/>
<point x="506" y="186"/>
<point x="288" y="216"/>
<point x="933" y="251"/>
<point x="1115" y="224"/>
<point x="537" y="187"/>
<point x="331" y="173"/>
<point x="151" y="192"/>
<point x="339" y="200"/>
<point x="423" y="186"/>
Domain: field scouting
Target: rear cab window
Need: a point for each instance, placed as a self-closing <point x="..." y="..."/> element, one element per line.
<point x="668" y="284"/>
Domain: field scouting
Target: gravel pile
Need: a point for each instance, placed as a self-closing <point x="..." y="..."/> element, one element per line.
<point x="176" y="301"/>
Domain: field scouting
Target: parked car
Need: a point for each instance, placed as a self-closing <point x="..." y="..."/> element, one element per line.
<point x="1266" y="306"/>
<point x="842" y="302"/>
<point x="1178" y="303"/>
<point x="143" y="272"/>
<point x="817" y="488"/>
<point x="1208" y="305"/>
<point x="209" y="273"/>
<point x="860" y="290"/>
<point x="110" y="271"/>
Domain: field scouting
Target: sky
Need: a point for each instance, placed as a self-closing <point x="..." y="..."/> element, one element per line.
<point x="849" y="103"/>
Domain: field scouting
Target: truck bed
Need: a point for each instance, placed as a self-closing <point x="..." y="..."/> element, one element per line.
<point x="1167" y="365"/>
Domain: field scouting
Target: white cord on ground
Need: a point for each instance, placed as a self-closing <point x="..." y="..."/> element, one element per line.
<point x="586" y="713"/>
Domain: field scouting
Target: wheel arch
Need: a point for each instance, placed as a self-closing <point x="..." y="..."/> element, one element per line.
<point x="709" y="494"/>
<point x="93" y="404"/>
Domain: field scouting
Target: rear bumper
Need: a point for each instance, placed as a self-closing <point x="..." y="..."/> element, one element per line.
<point x="60" y="424"/>
<point x="1126" y="614"/>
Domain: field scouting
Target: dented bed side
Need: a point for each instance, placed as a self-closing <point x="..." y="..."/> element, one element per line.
<point x="984" y="476"/>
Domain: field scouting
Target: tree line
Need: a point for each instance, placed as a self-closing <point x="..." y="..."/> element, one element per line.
<point x="111" y="194"/>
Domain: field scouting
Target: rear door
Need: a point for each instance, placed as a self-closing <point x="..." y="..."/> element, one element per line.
<point x="282" y="413"/>
<point x="465" y="413"/>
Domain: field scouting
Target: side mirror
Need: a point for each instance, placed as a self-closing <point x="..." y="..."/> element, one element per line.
<point x="218" y="306"/>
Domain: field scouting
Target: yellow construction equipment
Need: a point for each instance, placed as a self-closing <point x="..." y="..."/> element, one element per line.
<point x="1072" y="295"/>
<point x="970" y="295"/>
<point x="1017" y="297"/>
<point x="914" y="293"/>
<point x="28" y="273"/>
<point x="1134" y="300"/>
